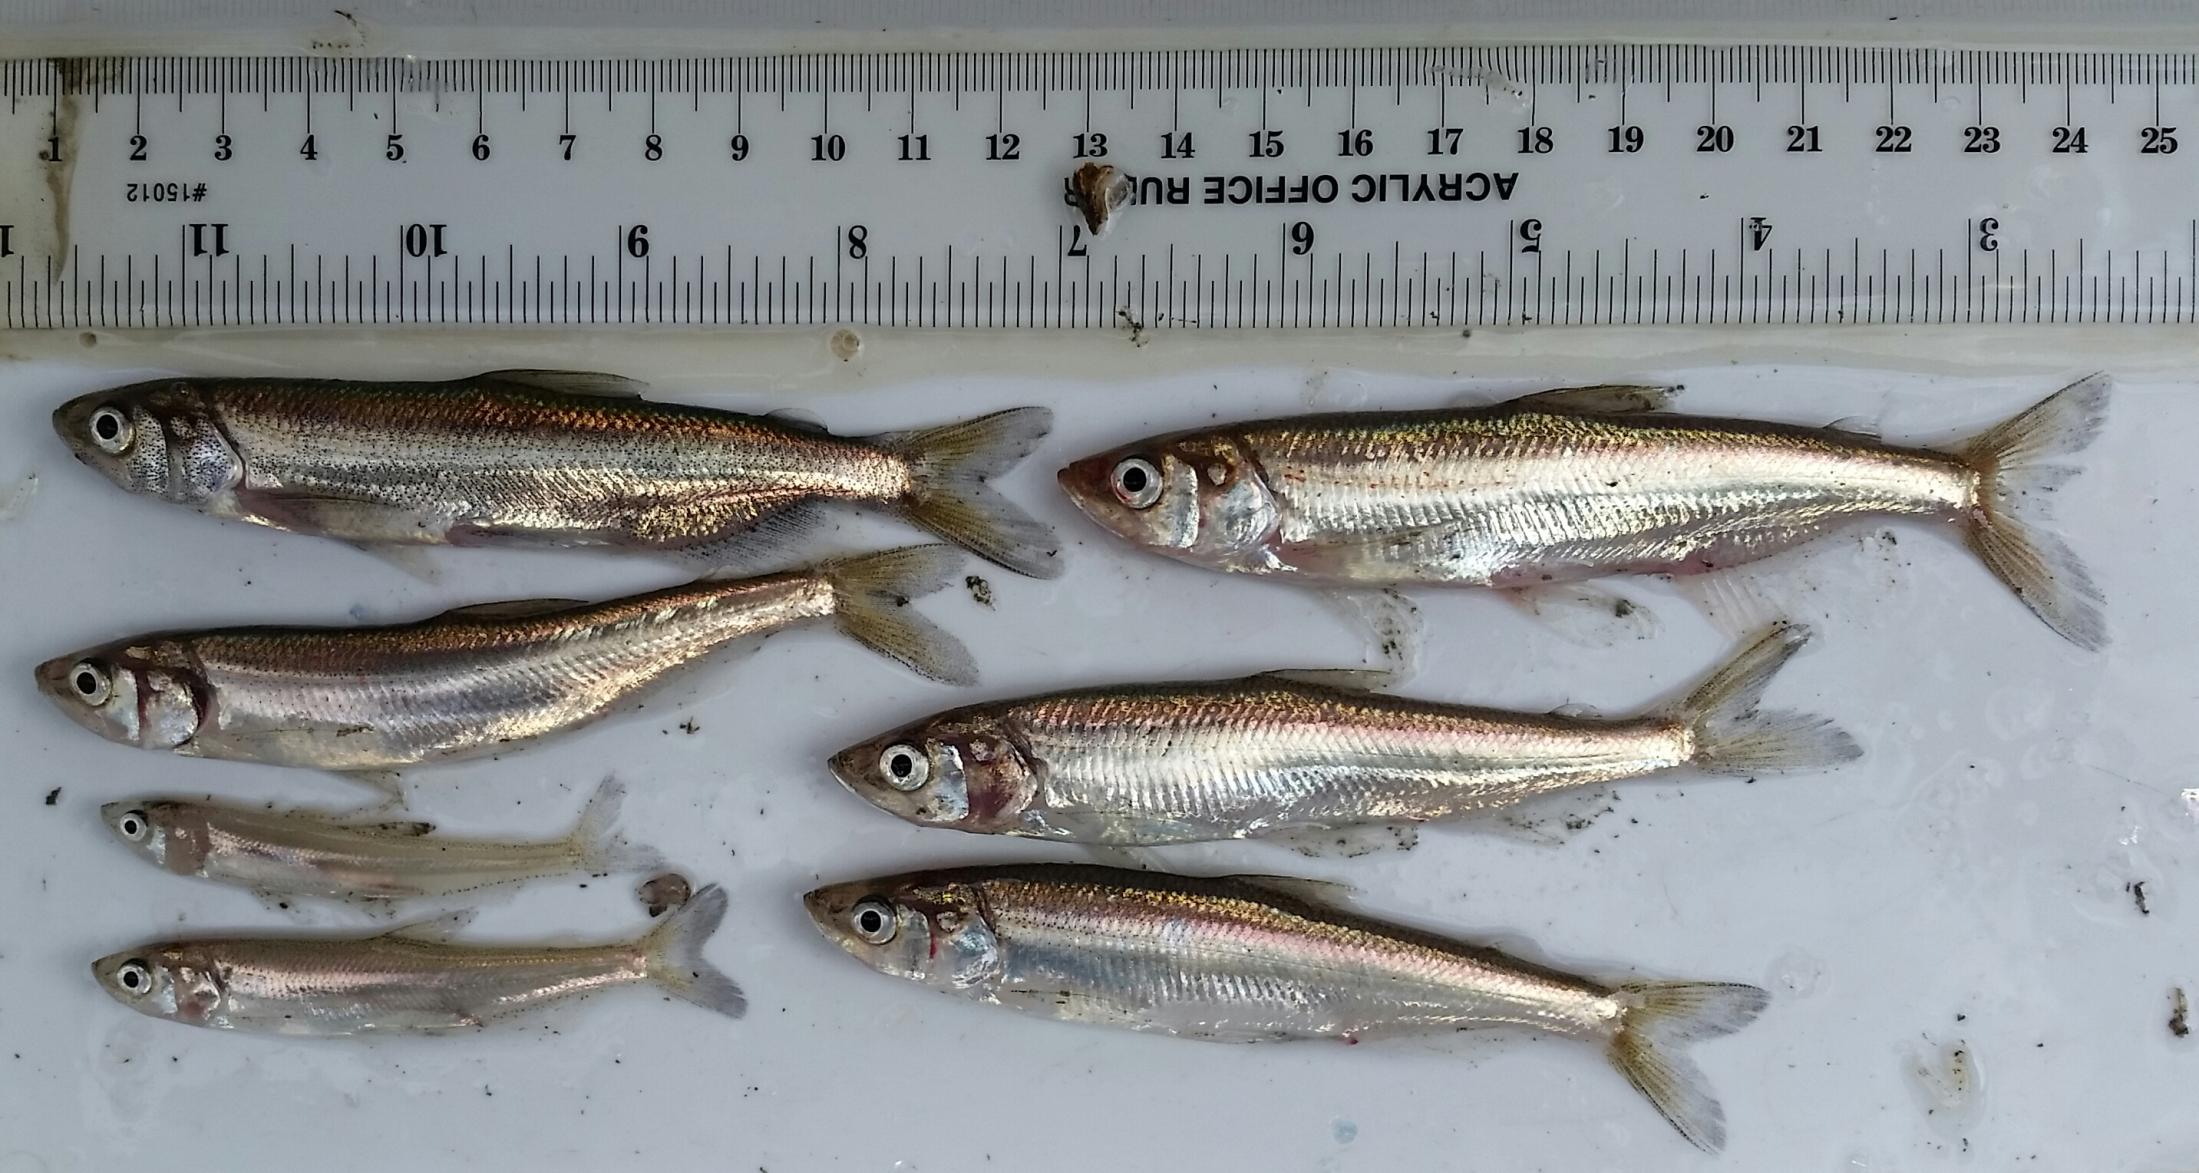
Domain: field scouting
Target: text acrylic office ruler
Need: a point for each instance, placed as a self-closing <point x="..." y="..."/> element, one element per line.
<point x="1427" y="187"/>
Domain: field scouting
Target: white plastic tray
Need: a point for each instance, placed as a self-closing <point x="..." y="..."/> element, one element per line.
<point x="1968" y="885"/>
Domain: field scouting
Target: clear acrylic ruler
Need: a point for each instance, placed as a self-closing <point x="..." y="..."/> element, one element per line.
<point x="1436" y="187"/>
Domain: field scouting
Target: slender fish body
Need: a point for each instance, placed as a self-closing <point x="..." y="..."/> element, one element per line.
<point x="479" y="679"/>
<point x="1584" y="482"/>
<point x="1248" y="959"/>
<point x="412" y="978"/>
<point x="303" y="853"/>
<point x="562" y="458"/>
<point x="1286" y="754"/>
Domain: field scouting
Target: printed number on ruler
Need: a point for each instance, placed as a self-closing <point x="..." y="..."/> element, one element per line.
<point x="1398" y="188"/>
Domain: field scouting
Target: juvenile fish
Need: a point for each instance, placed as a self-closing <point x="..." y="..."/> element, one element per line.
<point x="561" y="458"/>
<point x="479" y="679"/>
<point x="1295" y="755"/>
<point x="303" y="853"/>
<point x="1246" y="959"/>
<point x="412" y="978"/>
<point x="1584" y="482"/>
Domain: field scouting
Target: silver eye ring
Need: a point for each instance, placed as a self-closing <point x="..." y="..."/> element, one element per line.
<point x="904" y="767"/>
<point x="134" y="977"/>
<point x="133" y="825"/>
<point x="873" y="921"/>
<point x="91" y="683"/>
<point x="111" y="430"/>
<point x="1136" y="482"/>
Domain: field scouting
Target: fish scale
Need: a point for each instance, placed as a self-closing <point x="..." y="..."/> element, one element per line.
<point x="1294" y="754"/>
<point x="1583" y="482"/>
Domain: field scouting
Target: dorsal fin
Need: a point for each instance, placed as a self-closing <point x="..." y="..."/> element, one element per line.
<point x="1297" y="887"/>
<point x="799" y="420"/>
<point x="1576" y="711"/>
<point x="1341" y="679"/>
<point x="1858" y="425"/>
<point x="510" y="608"/>
<point x="435" y="930"/>
<point x="1601" y="399"/>
<point x="568" y="382"/>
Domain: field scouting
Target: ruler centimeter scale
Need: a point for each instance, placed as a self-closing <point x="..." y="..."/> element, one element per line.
<point x="1437" y="187"/>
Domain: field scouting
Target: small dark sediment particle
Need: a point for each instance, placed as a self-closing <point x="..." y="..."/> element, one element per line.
<point x="2179" y="1013"/>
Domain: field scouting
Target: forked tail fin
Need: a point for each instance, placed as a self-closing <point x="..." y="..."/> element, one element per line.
<point x="2019" y="466"/>
<point x="950" y="465"/>
<point x="675" y="955"/>
<point x="871" y="594"/>
<point x="1733" y="737"/>
<point x="1650" y="1047"/>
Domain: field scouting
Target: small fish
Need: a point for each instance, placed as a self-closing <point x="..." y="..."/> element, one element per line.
<point x="560" y="458"/>
<point x="479" y="679"/>
<point x="412" y="978"/>
<point x="1584" y="482"/>
<point x="1295" y="755"/>
<point x="305" y="853"/>
<point x="1250" y="959"/>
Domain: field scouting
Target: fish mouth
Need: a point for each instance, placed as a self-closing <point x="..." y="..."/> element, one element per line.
<point x="828" y="908"/>
<point x="1085" y="484"/>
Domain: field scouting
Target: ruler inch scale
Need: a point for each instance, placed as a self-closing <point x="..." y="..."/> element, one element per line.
<point x="1441" y="187"/>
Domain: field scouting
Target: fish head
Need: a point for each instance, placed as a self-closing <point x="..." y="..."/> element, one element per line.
<point x="961" y="769"/>
<point x="1196" y="496"/>
<point x="925" y="928"/>
<point x="157" y="438"/>
<point x="165" y="981"/>
<point x="146" y="695"/>
<point x="171" y="834"/>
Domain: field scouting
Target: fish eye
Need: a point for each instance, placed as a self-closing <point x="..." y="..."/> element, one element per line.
<point x="905" y="767"/>
<point x="133" y="825"/>
<point x="91" y="683"/>
<point x="1136" y="482"/>
<point x="111" y="430"/>
<point x="873" y="921"/>
<point x="134" y="976"/>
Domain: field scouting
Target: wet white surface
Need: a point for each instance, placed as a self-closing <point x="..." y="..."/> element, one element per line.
<point x="1963" y="973"/>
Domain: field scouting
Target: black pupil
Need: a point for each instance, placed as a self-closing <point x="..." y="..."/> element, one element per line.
<point x="129" y="826"/>
<point x="902" y="765"/>
<point x="869" y="920"/>
<point x="106" y="425"/>
<point x="1133" y="479"/>
<point x="87" y="683"/>
<point x="130" y="978"/>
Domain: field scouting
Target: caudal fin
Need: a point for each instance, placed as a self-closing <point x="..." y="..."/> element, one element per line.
<point x="950" y="465"/>
<point x="1650" y="1047"/>
<point x="596" y="840"/>
<point x="2019" y="466"/>
<point x="676" y="961"/>
<point x="871" y="604"/>
<point x="1733" y="737"/>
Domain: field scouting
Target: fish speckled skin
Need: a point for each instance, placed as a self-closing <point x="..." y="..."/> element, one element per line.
<point x="410" y="979"/>
<point x="1246" y="959"/>
<point x="305" y="853"/>
<point x="1263" y="755"/>
<point x="1579" y="483"/>
<point x="478" y="679"/>
<point x="541" y="458"/>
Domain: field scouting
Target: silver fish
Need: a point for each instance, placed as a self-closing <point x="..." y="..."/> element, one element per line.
<point x="1248" y="959"/>
<point x="564" y="458"/>
<point x="1296" y="756"/>
<point x="412" y="978"/>
<point x="1584" y="482"/>
<point x="479" y="679"/>
<point x="306" y="853"/>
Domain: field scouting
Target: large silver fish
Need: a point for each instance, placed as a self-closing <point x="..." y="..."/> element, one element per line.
<point x="1297" y="756"/>
<point x="1248" y="959"/>
<point x="564" y="458"/>
<point x="306" y="853"/>
<point x="479" y="679"/>
<point x="412" y="978"/>
<point x="1584" y="482"/>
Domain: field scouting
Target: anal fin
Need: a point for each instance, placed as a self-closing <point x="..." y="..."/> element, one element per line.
<point x="1349" y="841"/>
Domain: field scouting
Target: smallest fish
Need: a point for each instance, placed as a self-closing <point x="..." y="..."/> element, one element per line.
<point x="410" y="979"/>
<point x="338" y="857"/>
